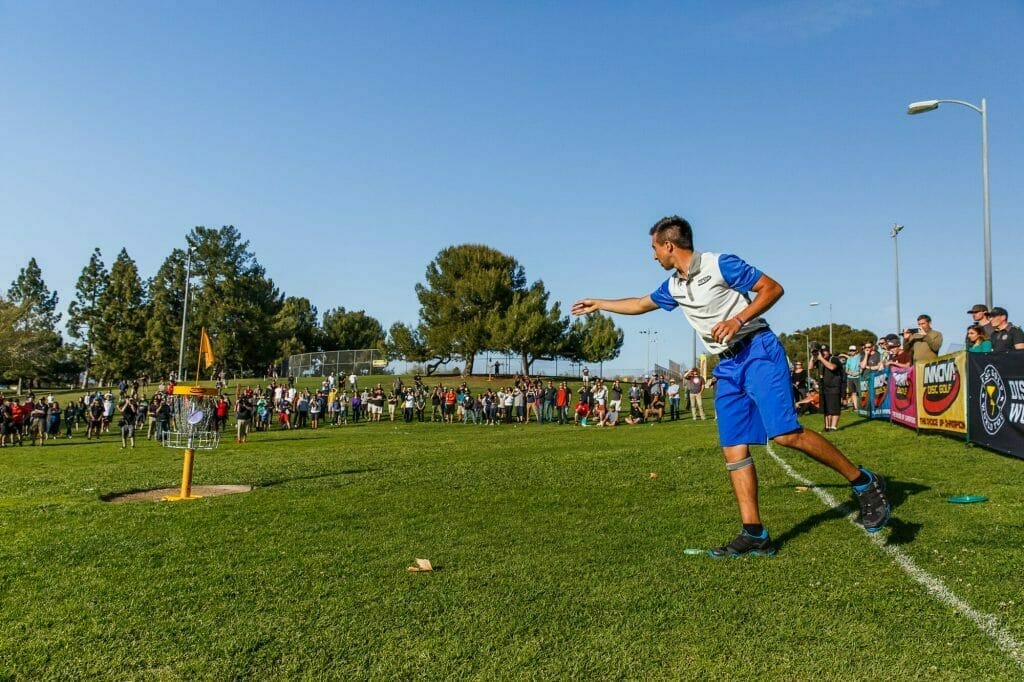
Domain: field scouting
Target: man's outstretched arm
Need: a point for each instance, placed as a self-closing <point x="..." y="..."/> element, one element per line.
<point x="624" y="306"/>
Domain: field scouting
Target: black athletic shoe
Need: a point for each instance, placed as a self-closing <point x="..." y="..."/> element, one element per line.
<point x="875" y="509"/>
<point x="742" y="544"/>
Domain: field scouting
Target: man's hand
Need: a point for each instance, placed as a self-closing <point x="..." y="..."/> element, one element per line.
<point x="725" y="330"/>
<point x="585" y="306"/>
<point x="623" y="306"/>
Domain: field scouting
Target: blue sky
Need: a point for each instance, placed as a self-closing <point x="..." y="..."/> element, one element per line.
<point x="350" y="143"/>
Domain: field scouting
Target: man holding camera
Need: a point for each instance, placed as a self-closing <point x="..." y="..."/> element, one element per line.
<point x="924" y="342"/>
<point x="830" y="383"/>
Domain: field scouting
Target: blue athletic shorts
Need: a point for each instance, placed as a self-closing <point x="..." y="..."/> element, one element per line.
<point x="753" y="396"/>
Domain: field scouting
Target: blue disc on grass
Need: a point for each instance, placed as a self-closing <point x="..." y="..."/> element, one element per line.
<point x="967" y="499"/>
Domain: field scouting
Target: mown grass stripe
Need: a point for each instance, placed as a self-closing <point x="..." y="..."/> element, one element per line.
<point x="987" y="623"/>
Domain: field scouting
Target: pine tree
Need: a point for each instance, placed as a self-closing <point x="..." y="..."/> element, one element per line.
<point x="24" y="350"/>
<point x="166" y="296"/>
<point x="36" y="319"/>
<point x="83" y="312"/>
<point x="30" y="291"/>
<point x="120" y="329"/>
<point x="296" y="327"/>
<point x="353" y="330"/>
<point x="407" y="343"/>
<point x="529" y="328"/>
<point x="234" y="299"/>
<point x="595" y="338"/>
<point x="466" y="286"/>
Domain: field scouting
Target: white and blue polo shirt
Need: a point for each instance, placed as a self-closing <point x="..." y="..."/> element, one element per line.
<point x="715" y="289"/>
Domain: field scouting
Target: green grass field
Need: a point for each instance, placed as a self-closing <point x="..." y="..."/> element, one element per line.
<point x="559" y="557"/>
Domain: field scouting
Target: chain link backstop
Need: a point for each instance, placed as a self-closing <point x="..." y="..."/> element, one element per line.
<point x="323" y="363"/>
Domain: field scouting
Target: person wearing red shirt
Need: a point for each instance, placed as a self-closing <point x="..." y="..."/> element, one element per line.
<point x="18" y="413"/>
<point x="562" y="397"/>
<point x="449" y="405"/>
<point x="582" y="409"/>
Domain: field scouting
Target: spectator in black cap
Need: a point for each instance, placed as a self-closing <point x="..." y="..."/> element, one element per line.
<point x="1005" y="336"/>
<point x="897" y="357"/>
<point x="979" y="312"/>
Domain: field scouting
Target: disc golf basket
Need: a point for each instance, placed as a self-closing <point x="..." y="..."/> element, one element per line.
<point x="192" y="428"/>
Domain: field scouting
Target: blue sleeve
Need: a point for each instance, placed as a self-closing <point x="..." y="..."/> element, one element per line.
<point x="737" y="273"/>
<point x="662" y="298"/>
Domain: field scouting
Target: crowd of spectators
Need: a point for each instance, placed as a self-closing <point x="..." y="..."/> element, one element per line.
<point x="337" y="402"/>
<point x="827" y="384"/>
<point x="834" y="385"/>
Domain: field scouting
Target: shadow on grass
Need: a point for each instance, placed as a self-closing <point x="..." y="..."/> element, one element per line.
<point x="901" y="532"/>
<point x="855" y="424"/>
<point x="309" y="477"/>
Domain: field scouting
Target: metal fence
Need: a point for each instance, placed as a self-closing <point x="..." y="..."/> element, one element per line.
<point x="337" y="362"/>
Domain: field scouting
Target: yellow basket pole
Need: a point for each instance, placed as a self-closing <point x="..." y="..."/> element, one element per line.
<point x="186" y="479"/>
<point x="186" y="473"/>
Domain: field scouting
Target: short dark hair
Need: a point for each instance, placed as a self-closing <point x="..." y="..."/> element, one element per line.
<point x="673" y="229"/>
<point x="922" y="316"/>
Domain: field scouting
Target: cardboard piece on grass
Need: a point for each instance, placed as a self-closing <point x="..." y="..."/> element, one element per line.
<point x="654" y="474"/>
<point x="421" y="566"/>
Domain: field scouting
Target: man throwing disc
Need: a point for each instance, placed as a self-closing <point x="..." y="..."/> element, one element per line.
<point x="753" y="397"/>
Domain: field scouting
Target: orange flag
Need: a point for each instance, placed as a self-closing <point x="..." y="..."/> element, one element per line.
<point x="206" y="351"/>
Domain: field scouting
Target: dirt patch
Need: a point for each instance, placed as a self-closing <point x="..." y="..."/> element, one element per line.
<point x="159" y="494"/>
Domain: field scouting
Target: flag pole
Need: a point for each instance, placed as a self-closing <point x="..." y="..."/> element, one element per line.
<point x="199" y="360"/>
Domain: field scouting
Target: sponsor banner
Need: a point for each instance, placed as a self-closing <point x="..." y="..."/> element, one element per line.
<point x="880" y="395"/>
<point x="864" y="396"/>
<point x="941" y="388"/>
<point x="996" y="401"/>
<point x="902" y="397"/>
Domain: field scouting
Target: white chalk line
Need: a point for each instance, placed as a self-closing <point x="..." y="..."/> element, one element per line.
<point x="987" y="623"/>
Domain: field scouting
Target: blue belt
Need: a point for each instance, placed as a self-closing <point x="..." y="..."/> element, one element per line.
<point x="735" y="349"/>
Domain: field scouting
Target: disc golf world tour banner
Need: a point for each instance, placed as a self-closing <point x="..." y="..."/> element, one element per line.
<point x="941" y="389"/>
<point x="873" y="395"/>
<point x="903" y="396"/>
<point x="996" y="401"/>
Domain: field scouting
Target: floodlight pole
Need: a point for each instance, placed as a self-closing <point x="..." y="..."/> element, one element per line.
<point x="649" y="333"/>
<point x="807" y="365"/>
<point x="814" y="303"/>
<point x="896" y="229"/>
<point x="184" y="312"/>
<point x="929" y="105"/>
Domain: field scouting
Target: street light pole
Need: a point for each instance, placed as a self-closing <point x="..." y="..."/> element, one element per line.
<point x="896" y="229"/>
<point x="650" y="333"/>
<point x="807" y="362"/>
<point x="814" y="303"/>
<point x="931" y="104"/>
<point x="184" y="312"/>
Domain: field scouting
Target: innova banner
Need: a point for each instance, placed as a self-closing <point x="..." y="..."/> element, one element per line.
<point x="996" y="401"/>
<point x="902" y="397"/>
<point x="941" y="387"/>
<point x="864" y="396"/>
<point x="880" y="395"/>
